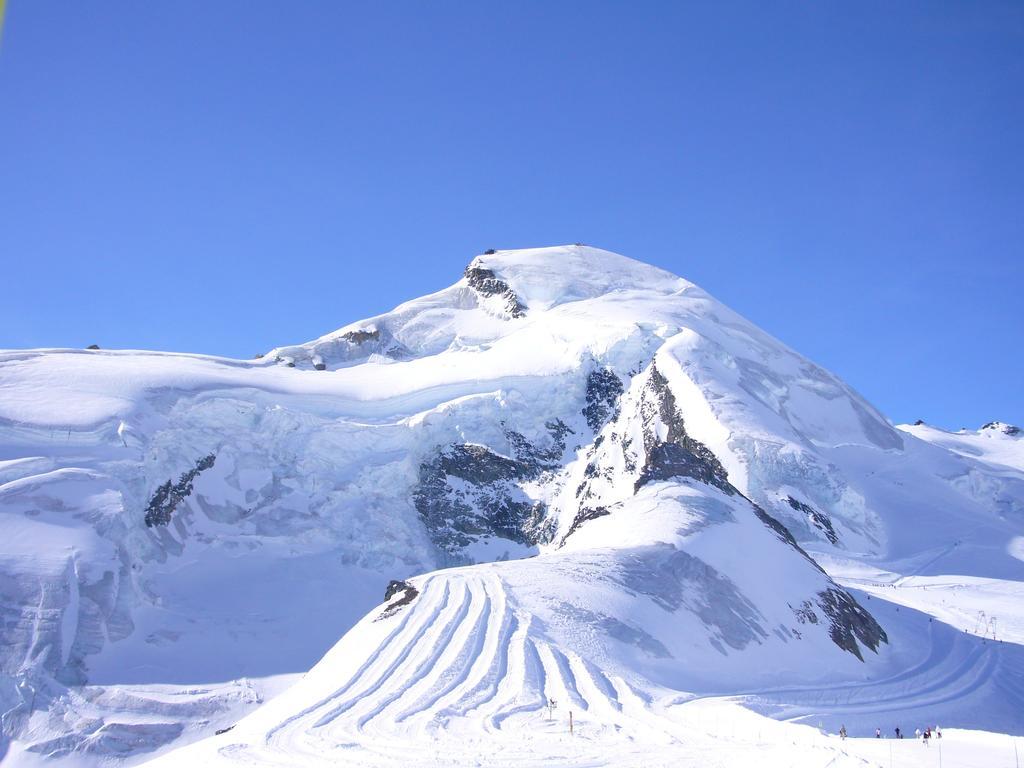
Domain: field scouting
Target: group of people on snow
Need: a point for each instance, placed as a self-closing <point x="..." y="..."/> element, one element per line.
<point x="926" y="735"/>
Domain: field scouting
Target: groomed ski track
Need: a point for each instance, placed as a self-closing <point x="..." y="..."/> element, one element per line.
<point x="463" y="676"/>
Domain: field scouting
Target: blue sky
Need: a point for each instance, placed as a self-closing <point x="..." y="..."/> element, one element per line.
<point x="224" y="177"/>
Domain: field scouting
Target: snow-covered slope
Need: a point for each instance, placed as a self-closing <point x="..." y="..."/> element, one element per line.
<point x="995" y="442"/>
<point x="674" y="477"/>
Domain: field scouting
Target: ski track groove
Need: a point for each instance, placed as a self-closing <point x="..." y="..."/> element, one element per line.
<point x="356" y="676"/>
<point x="472" y="648"/>
<point x="423" y="669"/>
<point x="421" y="629"/>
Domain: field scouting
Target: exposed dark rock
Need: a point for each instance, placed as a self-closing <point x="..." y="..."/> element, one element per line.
<point x="468" y="491"/>
<point x="394" y="586"/>
<point x="678" y="454"/>
<point x="782" y="532"/>
<point x="820" y="520"/>
<point x="850" y="622"/>
<point x="1006" y="429"/>
<point x="478" y="464"/>
<point x="666" y="452"/>
<point x="219" y="731"/>
<point x="486" y="283"/>
<point x="535" y="460"/>
<point x="362" y="335"/>
<point x="603" y="392"/>
<point x="805" y="613"/>
<point x="585" y="513"/>
<point x="93" y="346"/>
<point x="320" y="366"/>
<point x="489" y="252"/>
<point x="168" y="496"/>
<point x="406" y="592"/>
<point x="919" y="422"/>
<point x="668" y="460"/>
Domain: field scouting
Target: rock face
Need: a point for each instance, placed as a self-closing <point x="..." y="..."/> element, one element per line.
<point x="469" y="491"/>
<point x="675" y="454"/>
<point x="603" y="391"/>
<point x="344" y="348"/>
<point x="397" y="595"/>
<point x="1006" y="429"/>
<point x="849" y="622"/>
<point x="169" y="495"/>
<point x="487" y="284"/>
<point x="819" y="520"/>
<point x="645" y="442"/>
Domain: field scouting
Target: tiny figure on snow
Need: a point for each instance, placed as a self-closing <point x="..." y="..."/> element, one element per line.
<point x="878" y="733"/>
<point x="842" y="732"/>
<point x="898" y="734"/>
<point x="917" y="733"/>
<point x="938" y="732"/>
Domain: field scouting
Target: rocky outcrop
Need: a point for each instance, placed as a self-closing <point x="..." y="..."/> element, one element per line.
<point x="1006" y="429"/>
<point x="663" y="449"/>
<point x="677" y="454"/>
<point x="397" y="595"/>
<point x="362" y="335"/>
<point x="820" y="520"/>
<point x="341" y="350"/>
<point x="487" y="284"/>
<point x="584" y="514"/>
<point x="168" y="496"/>
<point x="604" y="389"/>
<point x="467" y="491"/>
<point x="850" y="622"/>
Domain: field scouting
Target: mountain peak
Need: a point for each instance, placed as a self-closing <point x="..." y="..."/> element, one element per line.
<point x="544" y="277"/>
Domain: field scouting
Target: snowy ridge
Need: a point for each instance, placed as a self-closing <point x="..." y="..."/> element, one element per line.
<point x="995" y="443"/>
<point x="695" y="501"/>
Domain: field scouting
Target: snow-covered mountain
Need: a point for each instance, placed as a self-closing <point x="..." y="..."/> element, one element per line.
<point x="584" y="480"/>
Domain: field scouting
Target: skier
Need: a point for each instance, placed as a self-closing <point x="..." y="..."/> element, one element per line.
<point x="878" y="733"/>
<point x="927" y="736"/>
<point x="898" y="734"/>
<point x="842" y="732"/>
<point x="938" y="732"/>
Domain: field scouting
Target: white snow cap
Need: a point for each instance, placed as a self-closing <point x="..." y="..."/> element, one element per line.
<point x="545" y="277"/>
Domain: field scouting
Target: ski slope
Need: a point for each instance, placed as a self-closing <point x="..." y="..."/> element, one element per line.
<point x="463" y="676"/>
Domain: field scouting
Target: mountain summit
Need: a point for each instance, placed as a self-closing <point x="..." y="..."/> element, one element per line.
<point x="573" y="477"/>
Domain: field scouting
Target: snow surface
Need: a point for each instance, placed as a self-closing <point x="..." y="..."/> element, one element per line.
<point x="676" y="624"/>
<point x="995" y="443"/>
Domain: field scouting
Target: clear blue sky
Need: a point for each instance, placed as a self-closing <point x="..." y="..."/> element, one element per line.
<point x="224" y="177"/>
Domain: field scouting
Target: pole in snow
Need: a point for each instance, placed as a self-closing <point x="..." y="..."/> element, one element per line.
<point x="570" y="723"/>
